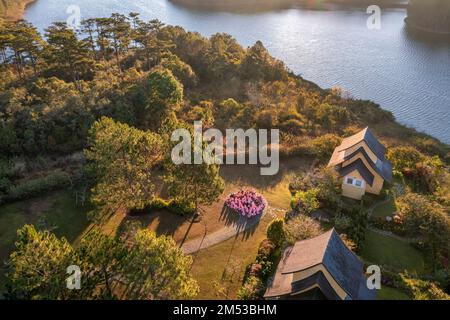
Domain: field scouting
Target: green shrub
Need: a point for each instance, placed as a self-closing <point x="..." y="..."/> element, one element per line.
<point x="268" y="256"/>
<point x="322" y="147"/>
<point x="5" y="176"/>
<point x="275" y="231"/>
<point x="306" y="201"/>
<point x="424" y="290"/>
<point x="302" y="227"/>
<point x="55" y="180"/>
<point x="180" y="208"/>
<point x="391" y="226"/>
<point x="158" y="204"/>
<point x="404" y="157"/>
<point x="252" y="289"/>
<point x="357" y="229"/>
<point x="342" y="223"/>
<point x="259" y="271"/>
<point x="172" y="206"/>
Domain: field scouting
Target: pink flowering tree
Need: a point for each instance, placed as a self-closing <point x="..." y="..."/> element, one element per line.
<point x="246" y="202"/>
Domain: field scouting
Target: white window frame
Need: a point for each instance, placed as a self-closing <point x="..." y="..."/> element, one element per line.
<point x="354" y="181"/>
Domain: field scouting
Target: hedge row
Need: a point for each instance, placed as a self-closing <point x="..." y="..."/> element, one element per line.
<point x="172" y="206"/>
<point x="30" y="188"/>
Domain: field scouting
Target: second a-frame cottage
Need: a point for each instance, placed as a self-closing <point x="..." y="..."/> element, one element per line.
<point x="320" y="268"/>
<point x="360" y="161"/>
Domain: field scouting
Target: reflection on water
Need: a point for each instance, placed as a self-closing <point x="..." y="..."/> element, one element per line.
<point x="406" y="72"/>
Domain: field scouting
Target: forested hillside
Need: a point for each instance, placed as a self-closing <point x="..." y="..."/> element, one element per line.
<point x="12" y="9"/>
<point x="53" y="88"/>
<point x="430" y="15"/>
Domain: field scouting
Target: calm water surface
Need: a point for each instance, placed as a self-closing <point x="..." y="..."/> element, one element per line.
<point x="405" y="73"/>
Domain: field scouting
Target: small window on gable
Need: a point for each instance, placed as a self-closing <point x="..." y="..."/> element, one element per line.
<point x="355" y="182"/>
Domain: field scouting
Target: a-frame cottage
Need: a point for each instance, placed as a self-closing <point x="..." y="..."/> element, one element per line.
<point x="360" y="161"/>
<point x="320" y="268"/>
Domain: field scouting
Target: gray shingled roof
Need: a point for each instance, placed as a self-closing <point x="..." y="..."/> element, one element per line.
<point x="374" y="144"/>
<point x="329" y="250"/>
<point x="385" y="170"/>
<point x="343" y="265"/>
<point x="370" y="139"/>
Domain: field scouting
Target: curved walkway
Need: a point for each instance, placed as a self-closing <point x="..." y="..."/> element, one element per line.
<point x="241" y="225"/>
<point x="384" y="232"/>
<point x="391" y="235"/>
<point x="377" y="204"/>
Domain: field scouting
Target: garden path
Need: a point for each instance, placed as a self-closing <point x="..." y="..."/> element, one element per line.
<point x="240" y="226"/>
<point x="391" y="235"/>
<point x="377" y="204"/>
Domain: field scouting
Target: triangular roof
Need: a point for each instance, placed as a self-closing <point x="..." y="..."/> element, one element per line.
<point x="359" y="166"/>
<point x="327" y="249"/>
<point x="370" y="139"/>
<point x="384" y="168"/>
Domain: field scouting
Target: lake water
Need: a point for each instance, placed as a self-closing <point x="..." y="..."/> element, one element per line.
<point x="405" y="73"/>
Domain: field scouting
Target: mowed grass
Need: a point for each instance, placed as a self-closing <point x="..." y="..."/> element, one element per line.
<point x="391" y="252"/>
<point x="387" y="293"/>
<point x="385" y="209"/>
<point x="233" y="255"/>
<point x="56" y="212"/>
<point x="214" y="265"/>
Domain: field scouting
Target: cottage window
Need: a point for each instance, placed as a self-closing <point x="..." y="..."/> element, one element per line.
<point x="355" y="182"/>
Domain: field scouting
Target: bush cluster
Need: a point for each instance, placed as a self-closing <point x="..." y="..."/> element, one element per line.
<point x="55" y="180"/>
<point x="172" y="206"/>
<point x="259" y="271"/>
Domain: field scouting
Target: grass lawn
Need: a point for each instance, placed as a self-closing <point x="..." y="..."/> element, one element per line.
<point x="210" y="264"/>
<point x="56" y="211"/>
<point x="274" y="188"/>
<point x="387" y="293"/>
<point x="385" y="209"/>
<point x="387" y="251"/>
<point x="233" y="255"/>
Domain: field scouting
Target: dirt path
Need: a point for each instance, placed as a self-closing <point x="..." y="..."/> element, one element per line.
<point x="374" y="206"/>
<point x="383" y="232"/>
<point x="242" y="225"/>
<point x="391" y="235"/>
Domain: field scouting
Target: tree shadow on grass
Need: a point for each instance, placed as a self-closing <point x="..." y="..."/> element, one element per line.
<point x="161" y="221"/>
<point x="245" y="227"/>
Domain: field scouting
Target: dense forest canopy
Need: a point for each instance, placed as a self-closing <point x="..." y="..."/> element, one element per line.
<point x="54" y="87"/>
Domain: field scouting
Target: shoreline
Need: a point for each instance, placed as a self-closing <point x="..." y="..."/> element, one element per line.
<point x="17" y="11"/>
<point x="415" y="26"/>
<point x="267" y="5"/>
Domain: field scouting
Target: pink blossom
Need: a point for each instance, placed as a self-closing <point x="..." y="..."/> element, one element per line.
<point x="246" y="202"/>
